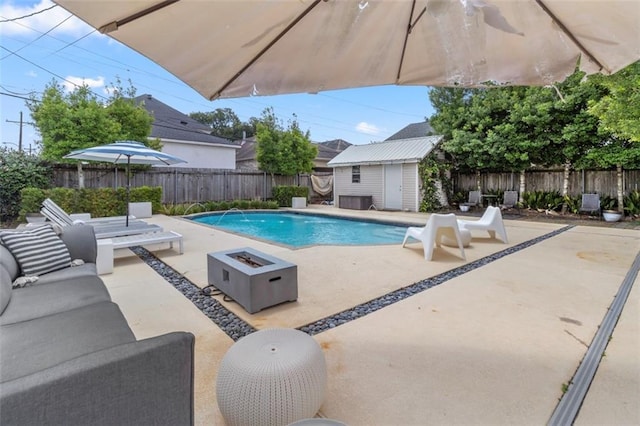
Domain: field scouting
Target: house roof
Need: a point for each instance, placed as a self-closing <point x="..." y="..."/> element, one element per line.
<point x="329" y="149"/>
<point x="399" y="151"/>
<point x="169" y="123"/>
<point x="413" y="130"/>
<point x="247" y="149"/>
<point x="338" y="145"/>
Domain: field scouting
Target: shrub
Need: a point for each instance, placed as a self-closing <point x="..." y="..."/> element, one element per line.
<point x="608" y="203"/>
<point x="573" y="203"/>
<point x="31" y="201"/>
<point x="542" y="200"/>
<point x="19" y="170"/>
<point x="283" y="194"/>
<point x="632" y="203"/>
<point x="100" y="202"/>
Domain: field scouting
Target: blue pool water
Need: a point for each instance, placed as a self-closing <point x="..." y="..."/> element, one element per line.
<point x="299" y="230"/>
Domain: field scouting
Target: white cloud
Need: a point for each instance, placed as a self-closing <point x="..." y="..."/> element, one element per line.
<point x="40" y="22"/>
<point x="72" y="82"/>
<point x="32" y="74"/>
<point x="369" y="129"/>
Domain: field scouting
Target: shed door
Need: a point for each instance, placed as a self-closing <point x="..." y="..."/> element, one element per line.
<point x="393" y="187"/>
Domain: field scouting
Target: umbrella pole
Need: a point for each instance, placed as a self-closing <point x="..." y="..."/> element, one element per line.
<point x="128" y="189"/>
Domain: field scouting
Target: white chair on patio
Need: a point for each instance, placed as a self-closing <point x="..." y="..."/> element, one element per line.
<point x="491" y="221"/>
<point x="431" y="234"/>
<point x="103" y="227"/>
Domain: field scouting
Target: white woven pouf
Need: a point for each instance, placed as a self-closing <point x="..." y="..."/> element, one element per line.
<point x="271" y="377"/>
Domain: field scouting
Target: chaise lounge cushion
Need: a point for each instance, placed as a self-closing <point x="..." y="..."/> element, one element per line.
<point x="31" y="346"/>
<point x="41" y="300"/>
<point x="8" y="262"/>
<point x="5" y="289"/>
<point x="86" y="270"/>
<point x="38" y="250"/>
<point x="81" y="242"/>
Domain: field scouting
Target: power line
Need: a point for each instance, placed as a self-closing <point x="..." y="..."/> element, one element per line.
<point x="14" y="96"/>
<point x="38" y="38"/>
<point x="73" y="42"/>
<point x="36" y="65"/>
<point x="29" y="15"/>
<point x="48" y="71"/>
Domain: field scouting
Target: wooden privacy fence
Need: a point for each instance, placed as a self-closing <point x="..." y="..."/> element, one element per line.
<point x="603" y="182"/>
<point x="183" y="185"/>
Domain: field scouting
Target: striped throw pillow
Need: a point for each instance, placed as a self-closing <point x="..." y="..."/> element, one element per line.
<point x="37" y="250"/>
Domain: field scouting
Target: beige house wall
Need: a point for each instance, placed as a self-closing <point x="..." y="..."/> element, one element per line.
<point x="371" y="183"/>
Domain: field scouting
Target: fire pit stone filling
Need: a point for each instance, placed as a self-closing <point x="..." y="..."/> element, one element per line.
<point x="254" y="279"/>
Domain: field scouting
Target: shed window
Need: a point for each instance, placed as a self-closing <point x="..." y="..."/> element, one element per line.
<point x="355" y="174"/>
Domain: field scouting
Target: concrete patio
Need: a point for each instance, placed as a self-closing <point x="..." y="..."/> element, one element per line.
<point x="492" y="345"/>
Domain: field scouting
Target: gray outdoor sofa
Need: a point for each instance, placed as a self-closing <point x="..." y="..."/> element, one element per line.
<point x="68" y="356"/>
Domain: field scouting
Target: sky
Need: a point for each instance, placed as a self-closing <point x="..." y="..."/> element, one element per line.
<point x="53" y="44"/>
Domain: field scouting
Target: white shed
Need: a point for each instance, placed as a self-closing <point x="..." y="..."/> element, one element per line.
<point x="382" y="174"/>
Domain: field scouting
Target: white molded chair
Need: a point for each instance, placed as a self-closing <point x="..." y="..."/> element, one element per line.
<point x="430" y="236"/>
<point x="491" y="221"/>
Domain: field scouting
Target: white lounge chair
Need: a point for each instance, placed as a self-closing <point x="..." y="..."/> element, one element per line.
<point x="491" y="221"/>
<point x="63" y="216"/>
<point x="102" y="229"/>
<point x="430" y="235"/>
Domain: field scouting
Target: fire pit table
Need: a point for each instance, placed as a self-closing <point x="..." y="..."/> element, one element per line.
<point x="254" y="279"/>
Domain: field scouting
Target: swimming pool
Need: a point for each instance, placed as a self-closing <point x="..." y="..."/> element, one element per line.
<point x="299" y="230"/>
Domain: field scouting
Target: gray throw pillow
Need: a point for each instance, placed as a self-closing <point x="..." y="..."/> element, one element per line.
<point x="37" y="250"/>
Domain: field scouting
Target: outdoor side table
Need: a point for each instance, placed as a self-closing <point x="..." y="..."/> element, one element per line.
<point x="271" y="377"/>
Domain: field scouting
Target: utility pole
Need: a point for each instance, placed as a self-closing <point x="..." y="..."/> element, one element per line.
<point x="21" y="123"/>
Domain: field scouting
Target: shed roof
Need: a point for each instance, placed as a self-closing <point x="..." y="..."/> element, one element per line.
<point x="398" y="151"/>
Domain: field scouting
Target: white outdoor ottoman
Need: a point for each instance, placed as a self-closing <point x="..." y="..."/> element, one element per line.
<point x="271" y="377"/>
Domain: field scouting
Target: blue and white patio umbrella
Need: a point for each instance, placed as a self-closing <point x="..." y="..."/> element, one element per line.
<point x="125" y="152"/>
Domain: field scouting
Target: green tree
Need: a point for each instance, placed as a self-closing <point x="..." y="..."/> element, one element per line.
<point x="226" y="124"/>
<point x="564" y="128"/>
<point x="134" y="120"/>
<point x="19" y="170"/>
<point x="619" y="109"/>
<point x="67" y="122"/>
<point x="283" y="151"/>
<point x="509" y="128"/>
<point x="78" y="119"/>
<point x="479" y="129"/>
<point x="618" y="153"/>
<point x="619" y="113"/>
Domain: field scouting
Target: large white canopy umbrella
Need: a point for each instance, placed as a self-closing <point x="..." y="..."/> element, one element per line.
<point x="225" y="48"/>
<point x="125" y="152"/>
